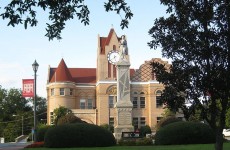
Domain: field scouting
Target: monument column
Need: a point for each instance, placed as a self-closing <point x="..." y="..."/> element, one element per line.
<point x="123" y="106"/>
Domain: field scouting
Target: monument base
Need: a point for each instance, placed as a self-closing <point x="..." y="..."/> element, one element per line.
<point x="122" y="128"/>
<point x="124" y="120"/>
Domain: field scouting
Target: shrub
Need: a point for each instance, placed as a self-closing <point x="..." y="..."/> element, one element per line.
<point x="108" y="127"/>
<point x="41" y="132"/>
<point x="78" y="135"/>
<point x="145" y="130"/>
<point x="127" y="142"/>
<point x="144" y="142"/>
<point x="167" y="120"/>
<point x="135" y="141"/>
<point x="69" y="118"/>
<point x="185" y="133"/>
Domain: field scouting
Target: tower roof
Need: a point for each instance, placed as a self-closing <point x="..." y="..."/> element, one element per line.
<point x="106" y="40"/>
<point x="61" y="73"/>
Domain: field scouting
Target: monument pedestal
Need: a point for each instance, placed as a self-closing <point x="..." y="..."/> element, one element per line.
<point x="124" y="121"/>
<point x="123" y="106"/>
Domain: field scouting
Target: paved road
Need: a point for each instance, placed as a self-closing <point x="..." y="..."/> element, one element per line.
<point x="12" y="146"/>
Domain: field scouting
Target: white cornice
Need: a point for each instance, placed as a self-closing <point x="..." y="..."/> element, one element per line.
<point x="100" y="82"/>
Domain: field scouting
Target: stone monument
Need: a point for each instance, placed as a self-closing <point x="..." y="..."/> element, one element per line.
<point x="123" y="106"/>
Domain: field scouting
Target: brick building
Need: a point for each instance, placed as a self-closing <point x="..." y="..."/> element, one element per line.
<point x="91" y="92"/>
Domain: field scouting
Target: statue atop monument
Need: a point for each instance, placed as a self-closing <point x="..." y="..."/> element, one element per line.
<point x="123" y="47"/>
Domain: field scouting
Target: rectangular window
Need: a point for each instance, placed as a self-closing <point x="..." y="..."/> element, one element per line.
<point x="135" y="123"/>
<point x="158" y="119"/>
<point x="158" y="102"/>
<point x="142" y="123"/>
<point x="52" y="92"/>
<point x="111" y="101"/>
<point x="82" y="104"/>
<point x="62" y="91"/>
<point x="134" y="102"/>
<point x="51" y="118"/>
<point x="90" y="104"/>
<point x="142" y="102"/>
<point x="70" y="91"/>
<point x="111" y="121"/>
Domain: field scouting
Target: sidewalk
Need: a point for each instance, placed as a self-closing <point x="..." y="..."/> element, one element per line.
<point x="13" y="146"/>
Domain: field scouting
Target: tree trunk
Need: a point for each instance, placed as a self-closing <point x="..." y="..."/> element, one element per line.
<point x="219" y="140"/>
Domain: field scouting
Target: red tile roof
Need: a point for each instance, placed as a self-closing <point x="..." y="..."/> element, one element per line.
<point x="78" y="75"/>
<point x="106" y="40"/>
<point x="61" y="73"/>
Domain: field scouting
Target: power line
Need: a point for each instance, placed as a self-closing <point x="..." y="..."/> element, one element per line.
<point x="23" y="118"/>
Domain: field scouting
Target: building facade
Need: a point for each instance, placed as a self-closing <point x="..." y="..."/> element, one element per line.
<point x="91" y="93"/>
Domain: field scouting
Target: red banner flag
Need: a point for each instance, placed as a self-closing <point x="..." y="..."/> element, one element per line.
<point x="27" y="87"/>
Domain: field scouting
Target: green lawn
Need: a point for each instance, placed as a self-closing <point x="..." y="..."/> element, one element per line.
<point x="170" y="147"/>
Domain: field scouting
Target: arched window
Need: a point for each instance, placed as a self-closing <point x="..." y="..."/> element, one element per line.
<point x="159" y="103"/>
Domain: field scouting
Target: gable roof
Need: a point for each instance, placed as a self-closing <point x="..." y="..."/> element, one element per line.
<point x="106" y="40"/>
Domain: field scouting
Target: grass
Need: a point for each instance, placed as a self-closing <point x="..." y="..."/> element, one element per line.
<point x="168" y="147"/>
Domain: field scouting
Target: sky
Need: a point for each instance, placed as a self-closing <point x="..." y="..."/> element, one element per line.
<point x="78" y="47"/>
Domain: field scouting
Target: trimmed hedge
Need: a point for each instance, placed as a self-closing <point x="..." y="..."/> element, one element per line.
<point x="167" y="120"/>
<point x="78" y="135"/>
<point x="135" y="142"/>
<point x="145" y="130"/>
<point x="185" y="133"/>
<point x="41" y="133"/>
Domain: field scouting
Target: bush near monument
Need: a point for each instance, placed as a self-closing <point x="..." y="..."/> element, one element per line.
<point x="78" y="135"/>
<point x="145" y="130"/>
<point x="108" y="127"/>
<point x="185" y="133"/>
<point x="69" y="118"/>
<point x="135" y="142"/>
<point x="167" y="120"/>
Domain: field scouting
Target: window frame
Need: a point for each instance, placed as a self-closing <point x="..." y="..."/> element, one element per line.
<point x="62" y="91"/>
<point x="52" y="92"/>
<point x="89" y="106"/>
<point x="82" y="101"/>
<point x="142" y="102"/>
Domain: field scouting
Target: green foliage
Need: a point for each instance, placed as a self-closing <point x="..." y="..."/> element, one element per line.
<point x="165" y="121"/>
<point x="11" y="132"/>
<point x="195" y="35"/>
<point x="228" y="119"/>
<point x="185" y="133"/>
<point x="135" y="142"/>
<point x="24" y="12"/>
<point x="41" y="131"/>
<point x="59" y="112"/>
<point x="78" y="135"/>
<point x="108" y="127"/>
<point x="12" y="108"/>
<point x="145" y="130"/>
<point x="69" y="118"/>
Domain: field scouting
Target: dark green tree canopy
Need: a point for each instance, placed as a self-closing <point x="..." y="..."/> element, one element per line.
<point x="196" y="37"/>
<point x="60" y="11"/>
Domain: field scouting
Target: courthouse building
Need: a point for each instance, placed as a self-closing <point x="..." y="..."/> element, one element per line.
<point x="91" y="93"/>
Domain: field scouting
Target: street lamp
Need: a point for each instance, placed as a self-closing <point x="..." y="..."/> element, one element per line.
<point x="22" y="123"/>
<point x="35" y="68"/>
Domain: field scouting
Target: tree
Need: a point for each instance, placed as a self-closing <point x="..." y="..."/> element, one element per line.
<point x="196" y="37"/>
<point x="60" y="112"/>
<point x="41" y="108"/>
<point x="16" y="111"/>
<point x="60" y="11"/>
